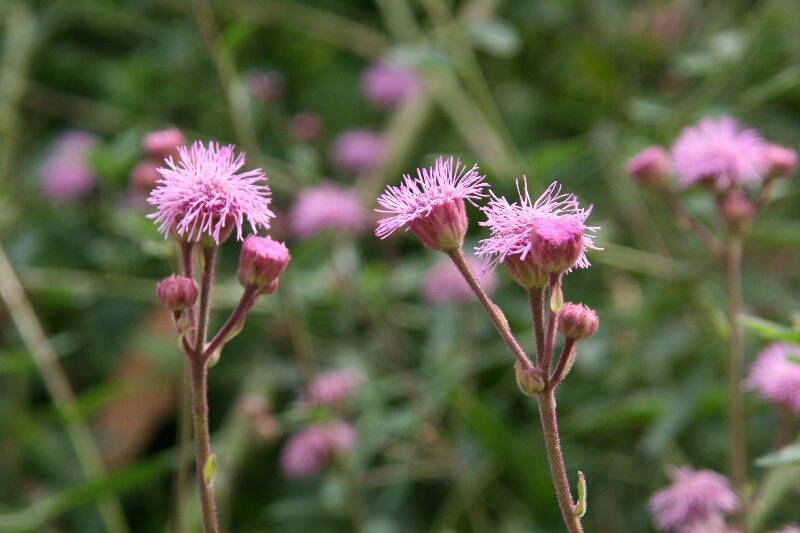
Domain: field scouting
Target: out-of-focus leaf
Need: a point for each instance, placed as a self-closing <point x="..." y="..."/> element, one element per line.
<point x="496" y="37"/>
<point x="786" y="456"/>
<point x="770" y="330"/>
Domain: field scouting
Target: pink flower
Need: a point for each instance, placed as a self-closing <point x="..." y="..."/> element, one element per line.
<point x="719" y="151"/>
<point x="651" y="166"/>
<point x="202" y="195"/>
<point x="512" y="224"/>
<point x="305" y="126"/>
<point x="66" y="173"/>
<point x="387" y="85"/>
<point x="261" y="261"/>
<point x="265" y="86"/>
<point x="160" y="145"/>
<point x="696" y="499"/>
<point x="330" y="388"/>
<point x="326" y="206"/>
<point x="432" y="205"/>
<point x="782" y="161"/>
<point x="358" y="151"/>
<point x="309" y="450"/>
<point x="444" y="284"/>
<point x="776" y="377"/>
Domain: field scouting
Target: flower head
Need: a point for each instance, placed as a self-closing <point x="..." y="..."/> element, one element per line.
<point x="512" y="225"/>
<point x="307" y="451"/>
<point x="160" y="145"/>
<point x="326" y="206"/>
<point x="66" y="173"/>
<point x="358" y="151"/>
<point x="651" y="166"/>
<point x="696" y="498"/>
<point x="176" y="293"/>
<point x="444" y="283"/>
<point x="576" y="321"/>
<point x="330" y="388"/>
<point x="782" y="161"/>
<point x="202" y="196"/>
<point x="432" y="205"/>
<point x="776" y="377"/>
<point x="387" y="85"/>
<point x="721" y="152"/>
<point x="305" y="126"/>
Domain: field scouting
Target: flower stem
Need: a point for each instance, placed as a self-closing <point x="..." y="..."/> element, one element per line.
<point x="245" y="303"/>
<point x="564" y="362"/>
<point x="536" y="298"/>
<point x="494" y="312"/>
<point x="687" y="219"/>
<point x="547" y="410"/>
<point x="210" y="257"/>
<point x="550" y="338"/>
<point x="738" y="457"/>
<point x="202" y="440"/>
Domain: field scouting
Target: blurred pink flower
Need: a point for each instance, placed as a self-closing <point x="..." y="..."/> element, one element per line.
<point x="265" y="85"/>
<point x="305" y="126"/>
<point x="782" y="161"/>
<point x="444" y="284"/>
<point x="309" y="450"/>
<point x="776" y="377"/>
<point x="512" y="224"/>
<point x="160" y="145"/>
<point x="358" y="151"/>
<point x="201" y="194"/>
<point x="66" y="173"/>
<point x="326" y="206"/>
<point x="386" y="84"/>
<point x="330" y="388"/>
<point x="696" y="499"/>
<point x="720" y="151"/>
<point x="651" y="166"/>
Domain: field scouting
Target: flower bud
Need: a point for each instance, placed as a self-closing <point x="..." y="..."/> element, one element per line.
<point x="176" y="293"/>
<point x="262" y="260"/>
<point x="529" y="381"/>
<point x="557" y="243"/>
<point x="736" y="210"/>
<point x="782" y="161"/>
<point x="651" y="166"/>
<point x="444" y="227"/>
<point x="525" y="271"/>
<point x="576" y="321"/>
<point x="161" y="144"/>
<point x="145" y="175"/>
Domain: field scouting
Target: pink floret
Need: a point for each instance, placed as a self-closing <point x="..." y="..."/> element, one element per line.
<point x="326" y="206"/>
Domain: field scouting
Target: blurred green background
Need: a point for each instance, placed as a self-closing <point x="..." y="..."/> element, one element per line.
<point x="562" y="90"/>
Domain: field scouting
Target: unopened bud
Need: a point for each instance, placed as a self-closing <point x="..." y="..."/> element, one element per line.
<point x="176" y="293"/>
<point x="444" y="227"/>
<point x="736" y="209"/>
<point x="557" y="243"/>
<point x="651" y="166"/>
<point x="525" y="271"/>
<point x="262" y="260"/>
<point x="145" y="175"/>
<point x="529" y="381"/>
<point x="782" y="161"/>
<point x="576" y="321"/>
<point x="159" y="145"/>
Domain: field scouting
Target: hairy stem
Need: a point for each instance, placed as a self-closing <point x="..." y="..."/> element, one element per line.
<point x="536" y="298"/>
<point x="564" y="362"/>
<point x="210" y="257"/>
<point x="550" y="333"/>
<point x="457" y="255"/>
<point x="202" y="441"/>
<point x="245" y="303"/>
<point x="547" y="410"/>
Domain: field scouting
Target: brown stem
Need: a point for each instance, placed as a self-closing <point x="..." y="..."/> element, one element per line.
<point x="547" y="410"/>
<point x="202" y="441"/>
<point x="703" y="233"/>
<point x="245" y="303"/>
<point x="738" y="457"/>
<point x="536" y="298"/>
<point x="564" y="362"/>
<point x="457" y="255"/>
<point x="550" y="339"/>
<point x="207" y="278"/>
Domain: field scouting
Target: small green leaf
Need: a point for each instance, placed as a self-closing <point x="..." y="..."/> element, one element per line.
<point x="788" y="455"/>
<point x="579" y="509"/>
<point x="210" y="469"/>
<point x="770" y="330"/>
